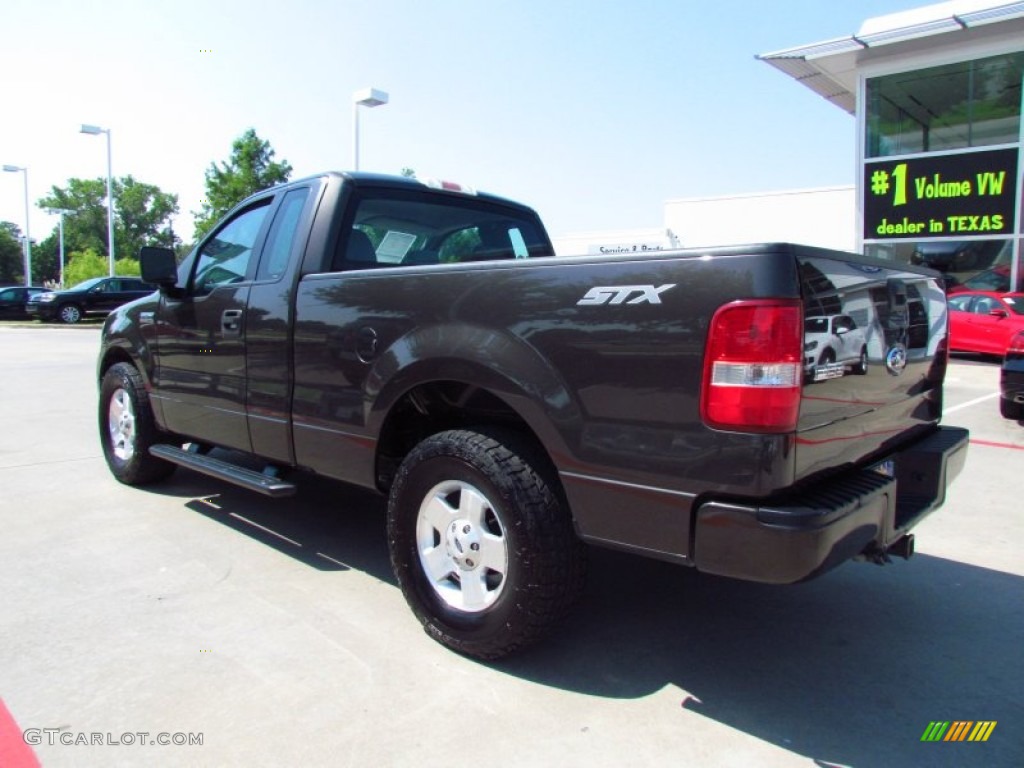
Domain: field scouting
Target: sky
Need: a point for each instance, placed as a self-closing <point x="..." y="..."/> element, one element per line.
<point x="593" y="112"/>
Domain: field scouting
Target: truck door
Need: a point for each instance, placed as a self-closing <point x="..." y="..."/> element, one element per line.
<point x="268" y="327"/>
<point x="200" y="370"/>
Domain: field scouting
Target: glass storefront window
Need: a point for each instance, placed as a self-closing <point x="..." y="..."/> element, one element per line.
<point x="955" y="106"/>
<point x="978" y="265"/>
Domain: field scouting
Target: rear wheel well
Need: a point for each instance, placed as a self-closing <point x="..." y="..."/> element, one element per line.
<point x="443" y="405"/>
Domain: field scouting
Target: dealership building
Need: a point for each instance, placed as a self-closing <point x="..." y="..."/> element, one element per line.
<point x="936" y="95"/>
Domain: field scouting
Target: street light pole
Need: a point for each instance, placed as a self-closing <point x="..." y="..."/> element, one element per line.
<point x="95" y="130"/>
<point x="28" y="243"/>
<point x="367" y="97"/>
<point x="60" y="212"/>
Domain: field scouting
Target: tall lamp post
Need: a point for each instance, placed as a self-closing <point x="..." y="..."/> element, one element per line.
<point x="28" y="244"/>
<point x="95" y="130"/>
<point x="62" y="212"/>
<point x="367" y="97"/>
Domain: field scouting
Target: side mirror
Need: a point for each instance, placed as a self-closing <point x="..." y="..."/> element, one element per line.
<point x="1000" y="313"/>
<point x="158" y="266"/>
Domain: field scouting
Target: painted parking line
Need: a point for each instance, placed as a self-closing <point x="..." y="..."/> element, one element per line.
<point x="969" y="403"/>
<point x="14" y="752"/>
<point x="993" y="444"/>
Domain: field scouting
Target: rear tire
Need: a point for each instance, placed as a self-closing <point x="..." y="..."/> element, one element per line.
<point x="127" y="428"/>
<point x="481" y="544"/>
<point x="70" y="314"/>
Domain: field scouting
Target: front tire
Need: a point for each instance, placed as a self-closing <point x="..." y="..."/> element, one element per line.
<point x="481" y="544"/>
<point x="127" y="428"/>
<point x="861" y="368"/>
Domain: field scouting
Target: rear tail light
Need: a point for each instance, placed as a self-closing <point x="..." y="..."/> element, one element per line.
<point x="1016" y="344"/>
<point x="754" y="366"/>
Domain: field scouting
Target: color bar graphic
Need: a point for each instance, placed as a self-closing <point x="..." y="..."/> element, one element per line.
<point x="958" y="730"/>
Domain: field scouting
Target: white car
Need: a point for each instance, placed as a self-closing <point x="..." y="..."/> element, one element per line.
<point x="833" y="344"/>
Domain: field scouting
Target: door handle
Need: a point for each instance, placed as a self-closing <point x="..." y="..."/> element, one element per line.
<point x="231" y="322"/>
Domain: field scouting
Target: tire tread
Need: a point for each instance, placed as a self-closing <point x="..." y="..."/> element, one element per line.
<point x="552" y="558"/>
<point x="143" y="468"/>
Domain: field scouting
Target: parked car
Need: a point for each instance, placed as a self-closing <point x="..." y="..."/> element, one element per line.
<point x="946" y="255"/>
<point x="834" y="341"/>
<point x="984" y="321"/>
<point x="13" y="299"/>
<point x="1011" y="380"/>
<point x="96" y="296"/>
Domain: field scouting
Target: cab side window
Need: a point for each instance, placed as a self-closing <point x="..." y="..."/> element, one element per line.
<point x="281" y="237"/>
<point x="405" y="228"/>
<point x="225" y="257"/>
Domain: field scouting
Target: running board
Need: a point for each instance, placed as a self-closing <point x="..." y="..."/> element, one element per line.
<point x="261" y="482"/>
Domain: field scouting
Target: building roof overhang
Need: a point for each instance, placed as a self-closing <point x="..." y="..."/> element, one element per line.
<point x="830" y="68"/>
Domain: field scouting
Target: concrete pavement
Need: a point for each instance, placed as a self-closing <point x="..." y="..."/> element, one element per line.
<point x="274" y="632"/>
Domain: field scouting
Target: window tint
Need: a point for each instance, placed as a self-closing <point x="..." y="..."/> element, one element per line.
<point x="225" y="257"/>
<point x="281" y="237"/>
<point x="8" y="295"/>
<point x="404" y="229"/>
<point x="968" y="104"/>
<point x="984" y="305"/>
<point x="1015" y="304"/>
<point x="845" y="323"/>
<point x="959" y="303"/>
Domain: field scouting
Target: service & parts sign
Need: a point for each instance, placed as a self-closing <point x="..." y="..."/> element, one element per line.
<point x="968" y="194"/>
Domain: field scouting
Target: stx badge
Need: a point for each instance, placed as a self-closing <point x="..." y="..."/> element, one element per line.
<point x="618" y="294"/>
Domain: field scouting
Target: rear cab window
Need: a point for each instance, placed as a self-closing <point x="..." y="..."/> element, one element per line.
<point x="393" y="228"/>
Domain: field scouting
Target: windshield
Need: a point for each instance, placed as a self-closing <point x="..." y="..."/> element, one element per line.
<point x="1015" y="303"/>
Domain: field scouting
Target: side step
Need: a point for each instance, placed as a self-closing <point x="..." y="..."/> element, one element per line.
<point x="260" y="482"/>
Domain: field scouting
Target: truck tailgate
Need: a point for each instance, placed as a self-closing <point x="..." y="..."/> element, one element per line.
<point x="874" y="358"/>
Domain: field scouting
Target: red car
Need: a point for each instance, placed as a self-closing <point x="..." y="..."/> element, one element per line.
<point x="984" y="321"/>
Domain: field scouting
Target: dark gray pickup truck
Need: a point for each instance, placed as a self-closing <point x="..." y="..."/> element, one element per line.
<point x="762" y="412"/>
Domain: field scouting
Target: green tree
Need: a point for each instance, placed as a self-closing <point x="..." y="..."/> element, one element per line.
<point x="12" y="259"/>
<point x="142" y="215"/>
<point x="86" y="228"/>
<point x="87" y="264"/>
<point x="250" y="169"/>
<point x="127" y="266"/>
<point x="46" y="259"/>
<point x="83" y="265"/>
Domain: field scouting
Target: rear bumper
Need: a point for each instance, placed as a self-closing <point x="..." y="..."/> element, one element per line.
<point x="793" y="538"/>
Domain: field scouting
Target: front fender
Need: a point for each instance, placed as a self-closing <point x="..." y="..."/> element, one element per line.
<point x="129" y="336"/>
